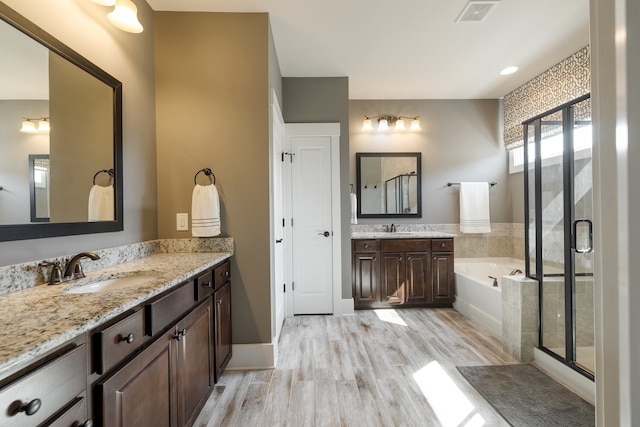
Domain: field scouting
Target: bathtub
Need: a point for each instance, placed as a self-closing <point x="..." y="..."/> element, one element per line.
<point x="476" y="297"/>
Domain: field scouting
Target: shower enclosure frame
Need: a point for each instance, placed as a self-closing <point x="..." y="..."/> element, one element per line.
<point x="569" y="224"/>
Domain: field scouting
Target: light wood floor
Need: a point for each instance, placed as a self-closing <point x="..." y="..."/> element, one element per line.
<point x="374" y="368"/>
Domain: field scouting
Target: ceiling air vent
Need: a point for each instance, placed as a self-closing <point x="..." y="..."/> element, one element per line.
<point x="476" y="11"/>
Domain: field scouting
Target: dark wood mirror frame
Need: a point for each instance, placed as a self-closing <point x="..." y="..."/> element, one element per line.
<point x="359" y="184"/>
<point x="41" y="230"/>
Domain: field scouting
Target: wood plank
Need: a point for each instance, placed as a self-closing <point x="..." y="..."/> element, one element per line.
<point x="326" y="409"/>
<point x="301" y="405"/>
<point x="277" y="402"/>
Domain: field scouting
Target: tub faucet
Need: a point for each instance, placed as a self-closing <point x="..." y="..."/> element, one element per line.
<point x="73" y="270"/>
<point x="495" y="281"/>
<point x="515" y="271"/>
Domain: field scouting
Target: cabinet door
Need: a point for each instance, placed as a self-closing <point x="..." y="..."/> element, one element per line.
<point x="442" y="278"/>
<point x="195" y="362"/>
<point x="365" y="282"/>
<point x="222" y="308"/>
<point x="418" y="280"/>
<point x="392" y="278"/>
<point x="143" y="392"/>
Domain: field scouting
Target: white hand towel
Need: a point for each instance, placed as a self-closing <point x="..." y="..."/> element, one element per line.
<point x="101" y="205"/>
<point x="205" y="211"/>
<point x="474" y="207"/>
<point x="354" y="209"/>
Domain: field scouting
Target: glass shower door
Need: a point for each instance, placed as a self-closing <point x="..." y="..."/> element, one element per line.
<point x="582" y="233"/>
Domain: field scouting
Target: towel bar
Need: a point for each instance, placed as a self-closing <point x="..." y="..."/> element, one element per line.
<point x="449" y="184"/>
<point x="207" y="172"/>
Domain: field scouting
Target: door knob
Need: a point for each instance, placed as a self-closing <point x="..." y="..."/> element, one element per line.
<point x="325" y="234"/>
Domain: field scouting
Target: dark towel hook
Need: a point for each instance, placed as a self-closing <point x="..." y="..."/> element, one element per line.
<point x="208" y="173"/>
<point x="110" y="172"/>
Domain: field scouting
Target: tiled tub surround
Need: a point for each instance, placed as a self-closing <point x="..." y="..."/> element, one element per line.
<point x="505" y="239"/>
<point x="40" y="318"/>
<point x="519" y="317"/>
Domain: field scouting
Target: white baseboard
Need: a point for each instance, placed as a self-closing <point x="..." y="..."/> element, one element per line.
<point x="248" y="357"/>
<point x="579" y="384"/>
<point x="344" y="306"/>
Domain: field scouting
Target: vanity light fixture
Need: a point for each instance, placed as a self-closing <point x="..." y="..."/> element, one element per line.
<point x="385" y="122"/>
<point x="123" y="16"/>
<point x="40" y="124"/>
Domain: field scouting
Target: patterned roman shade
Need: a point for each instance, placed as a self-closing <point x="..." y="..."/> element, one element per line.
<point x="560" y="84"/>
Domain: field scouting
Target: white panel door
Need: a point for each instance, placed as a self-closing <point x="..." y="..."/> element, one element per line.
<point x="312" y="225"/>
<point x="278" y="221"/>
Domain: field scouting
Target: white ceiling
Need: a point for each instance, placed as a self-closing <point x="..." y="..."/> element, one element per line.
<point x="414" y="49"/>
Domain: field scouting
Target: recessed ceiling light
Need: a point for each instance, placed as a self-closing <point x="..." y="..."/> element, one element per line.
<point x="509" y="70"/>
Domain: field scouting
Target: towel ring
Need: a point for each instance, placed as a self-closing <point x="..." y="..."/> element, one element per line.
<point x="107" y="171"/>
<point x="208" y="173"/>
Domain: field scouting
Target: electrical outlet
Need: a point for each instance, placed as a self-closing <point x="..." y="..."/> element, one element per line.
<point x="182" y="221"/>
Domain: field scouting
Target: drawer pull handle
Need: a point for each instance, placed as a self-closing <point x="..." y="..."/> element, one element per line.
<point x="208" y="284"/>
<point x="30" y="408"/>
<point x="366" y="246"/>
<point x="88" y="423"/>
<point x="180" y="334"/>
<point x="127" y="338"/>
<point x="443" y="245"/>
<point x="226" y="274"/>
<point x="219" y="301"/>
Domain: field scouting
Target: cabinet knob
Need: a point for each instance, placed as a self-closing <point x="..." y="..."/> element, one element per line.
<point x="219" y="301"/>
<point x="127" y="338"/>
<point x="88" y="423"/>
<point x="366" y="246"/>
<point x="442" y="245"/>
<point x="31" y="407"/>
<point x="399" y="258"/>
<point x="208" y="284"/>
<point x="180" y="334"/>
<point x="408" y="258"/>
<point x="226" y="274"/>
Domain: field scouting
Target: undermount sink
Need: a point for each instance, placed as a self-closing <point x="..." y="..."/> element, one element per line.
<point x="110" y="284"/>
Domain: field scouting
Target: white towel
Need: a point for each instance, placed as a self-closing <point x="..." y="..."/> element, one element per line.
<point x="205" y="211"/>
<point x="354" y="209"/>
<point x="101" y="206"/>
<point x="474" y="207"/>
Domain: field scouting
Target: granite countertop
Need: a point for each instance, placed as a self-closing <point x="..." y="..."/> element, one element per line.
<point x="401" y="235"/>
<point x="39" y="319"/>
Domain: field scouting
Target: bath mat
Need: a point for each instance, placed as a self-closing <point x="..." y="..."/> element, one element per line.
<point x="525" y="396"/>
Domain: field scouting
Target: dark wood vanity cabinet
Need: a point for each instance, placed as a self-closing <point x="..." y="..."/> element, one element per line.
<point x="402" y="273"/>
<point x="167" y="381"/>
<point x="51" y="392"/>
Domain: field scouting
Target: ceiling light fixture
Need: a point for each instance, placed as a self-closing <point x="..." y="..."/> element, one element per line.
<point x="385" y="122"/>
<point x="40" y="124"/>
<point x="509" y="70"/>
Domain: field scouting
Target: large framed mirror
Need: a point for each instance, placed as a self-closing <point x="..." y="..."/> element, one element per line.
<point x="389" y="185"/>
<point x="55" y="103"/>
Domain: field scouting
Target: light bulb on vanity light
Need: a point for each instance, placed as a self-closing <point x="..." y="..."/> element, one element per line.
<point x="125" y="16"/>
<point x="44" y="125"/>
<point x="28" y="126"/>
<point x="366" y="124"/>
<point x="415" y="124"/>
<point x="400" y="125"/>
<point x="383" y="124"/>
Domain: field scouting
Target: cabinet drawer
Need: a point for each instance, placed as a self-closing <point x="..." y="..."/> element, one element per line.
<point x="365" y="245"/>
<point x="166" y="310"/>
<point x="54" y="385"/>
<point x="204" y="285"/>
<point x="442" y="245"/>
<point x="118" y="341"/>
<point x="76" y="415"/>
<point x="222" y="274"/>
<point x="405" y="245"/>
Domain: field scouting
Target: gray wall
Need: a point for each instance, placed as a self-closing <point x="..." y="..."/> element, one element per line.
<point x="213" y="83"/>
<point x="325" y="100"/>
<point x="460" y="140"/>
<point x="129" y="58"/>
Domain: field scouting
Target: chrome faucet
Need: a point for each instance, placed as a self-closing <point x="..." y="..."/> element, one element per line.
<point x="73" y="270"/>
<point x="515" y="271"/>
<point x="390" y="228"/>
<point x="495" y="281"/>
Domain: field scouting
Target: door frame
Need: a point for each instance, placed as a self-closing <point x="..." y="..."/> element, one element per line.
<point x="331" y="130"/>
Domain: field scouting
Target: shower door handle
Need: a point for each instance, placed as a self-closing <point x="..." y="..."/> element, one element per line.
<point x="575" y="236"/>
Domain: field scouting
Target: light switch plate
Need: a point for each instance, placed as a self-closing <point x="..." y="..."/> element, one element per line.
<point x="182" y="221"/>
